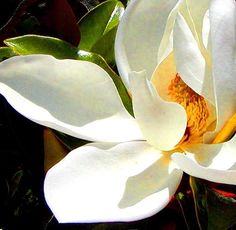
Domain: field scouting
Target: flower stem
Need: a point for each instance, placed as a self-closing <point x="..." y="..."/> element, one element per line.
<point x="179" y="197"/>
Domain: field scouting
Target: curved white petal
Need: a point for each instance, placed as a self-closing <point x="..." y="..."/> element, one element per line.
<point x="166" y="45"/>
<point x="190" y="63"/>
<point x="163" y="123"/>
<point x="206" y="30"/>
<point x="139" y="36"/>
<point x="74" y="97"/>
<point x="213" y="162"/>
<point x="194" y="14"/>
<point x="99" y="182"/>
<point x="223" y="40"/>
<point x="163" y="75"/>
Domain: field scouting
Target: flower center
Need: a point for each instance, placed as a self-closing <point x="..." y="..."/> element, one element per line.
<point x="195" y="107"/>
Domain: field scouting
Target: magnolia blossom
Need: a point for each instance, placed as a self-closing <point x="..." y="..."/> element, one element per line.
<point x="177" y="59"/>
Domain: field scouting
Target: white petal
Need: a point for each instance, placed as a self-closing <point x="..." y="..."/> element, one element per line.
<point x="75" y="97"/>
<point x="194" y="13"/>
<point x="223" y="40"/>
<point x="163" y="75"/>
<point x="163" y="123"/>
<point x="166" y="45"/>
<point x="215" y="163"/>
<point x="139" y="35"/>
<point x="190" y="63"/>
<point x="97" y="183"/>
<point x="206" y="30"/>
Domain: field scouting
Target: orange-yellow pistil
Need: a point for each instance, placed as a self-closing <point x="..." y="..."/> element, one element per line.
<point x="198" y="114"/>
<point x="195" y="107"/>
<point x="227" y="131"/>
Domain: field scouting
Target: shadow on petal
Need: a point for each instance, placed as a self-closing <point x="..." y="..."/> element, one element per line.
<point x="65" y="89"/>
<point x="215" y="156"/>
<point x="205" y="154"/>
<point x="158" y="177"/>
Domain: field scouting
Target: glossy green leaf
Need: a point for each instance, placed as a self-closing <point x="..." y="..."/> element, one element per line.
<point x="216" y="211"/>
<point x="35" y="44"/>
<point x="6" y="52"/>
<point x="99" y="21"/>
<point x="105" y="46"/>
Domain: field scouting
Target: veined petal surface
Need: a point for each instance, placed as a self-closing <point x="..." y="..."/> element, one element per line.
<point x="139" y="36"/>
<point x="162" y="123"/>
<point x="74" y="97"/>
<point x="213" y="162"/>
<point x="223" y="40"/>
<point x="103" y="182"/>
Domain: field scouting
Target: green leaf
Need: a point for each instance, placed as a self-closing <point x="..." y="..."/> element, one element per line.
<point x="35" y="44"/>
<point x="105" y="46"/>
<point x="6" y="52"/>
<point x="215" y="210"/>
<point x="97" y="28"/>
<point x="221" y="211"/>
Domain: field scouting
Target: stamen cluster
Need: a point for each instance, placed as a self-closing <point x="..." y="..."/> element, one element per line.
<point x="195" y="107"/>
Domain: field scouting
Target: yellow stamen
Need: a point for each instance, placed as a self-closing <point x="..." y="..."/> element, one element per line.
<point x="195" y="106"/>
<point x="227" y="131"/>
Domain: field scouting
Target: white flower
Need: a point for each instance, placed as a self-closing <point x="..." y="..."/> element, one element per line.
<point x="135" y="165"/>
